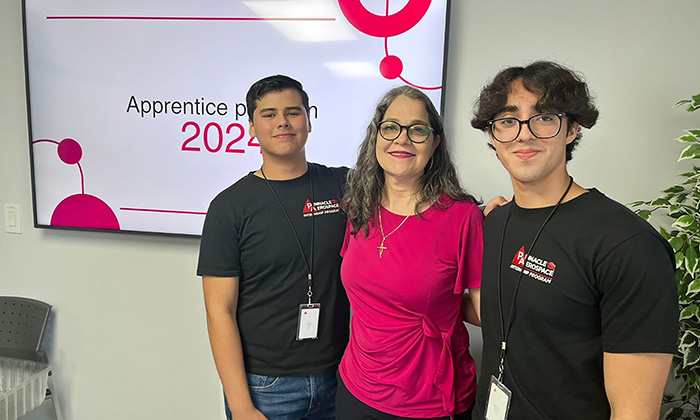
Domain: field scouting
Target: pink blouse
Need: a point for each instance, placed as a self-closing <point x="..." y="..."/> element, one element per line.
<point x="409" y="349"/>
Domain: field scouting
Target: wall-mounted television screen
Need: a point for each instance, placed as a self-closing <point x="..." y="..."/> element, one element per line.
<point x="137" y="108"/>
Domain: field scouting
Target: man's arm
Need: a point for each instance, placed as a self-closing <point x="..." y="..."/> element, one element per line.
<point x="471" y="306"/>
<point x="221" y="301"/>
<point x="635" y="384"/>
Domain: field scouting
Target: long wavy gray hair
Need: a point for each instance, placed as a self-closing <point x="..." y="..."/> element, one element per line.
<point x="365" y="184"/>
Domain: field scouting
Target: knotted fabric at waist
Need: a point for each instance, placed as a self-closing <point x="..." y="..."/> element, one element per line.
<point x="444" y="378"/>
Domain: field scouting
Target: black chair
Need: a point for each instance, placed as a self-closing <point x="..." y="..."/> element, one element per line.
<point x="22" y="325"/>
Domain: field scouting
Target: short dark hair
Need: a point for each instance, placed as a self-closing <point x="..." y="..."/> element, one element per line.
<point x="559" y="89"/>
<point x="275" y="83"/>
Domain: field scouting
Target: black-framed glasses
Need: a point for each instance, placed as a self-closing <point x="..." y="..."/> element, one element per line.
<point x="542" y="126"/>
<point x="391" y="130"/>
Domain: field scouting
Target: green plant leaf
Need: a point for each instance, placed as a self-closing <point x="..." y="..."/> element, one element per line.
<point x="695" y="101"/>
<point x="676" y="243"/>
<point x="660" y="202"/>
<point x="673" y="413"/>
<point x="687" y="139"/>
<point x="683" y="222"/>
<point x="673" y="190"/>
<point x="680" y="258"/>
<point x="644" y="214"/>
<point x="690" y="152"/>
<point x="678" y="369"/>
<point x="664" y="233"/>
<point x="691" y="260"/>
<point x="694" y="287"/>
<point x="693" y="331"/>
<point x="695" y="133"/>
<point x="692" y="357"/>
<point x="688" y="340"/>
<point x="637" y="203"/>
<point x="684" y="283"/>
<point x="674" y="208"/>
<point x="689" y="311"/>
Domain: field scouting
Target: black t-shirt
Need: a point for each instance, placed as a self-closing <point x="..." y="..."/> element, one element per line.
<point x="247" y="235"/>
<point x="599" y="279"/>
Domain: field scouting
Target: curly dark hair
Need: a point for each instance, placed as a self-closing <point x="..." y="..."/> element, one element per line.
<point x="559" y="89"/>
<point x="365" y="183"/>
<point x="275" y="83"/>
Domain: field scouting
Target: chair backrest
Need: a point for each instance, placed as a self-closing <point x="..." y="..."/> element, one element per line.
<point x="22" y="322"/>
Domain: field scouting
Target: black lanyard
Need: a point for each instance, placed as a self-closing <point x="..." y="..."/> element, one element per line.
<point x="310" y="262"/>
<point x="505" y="329"/>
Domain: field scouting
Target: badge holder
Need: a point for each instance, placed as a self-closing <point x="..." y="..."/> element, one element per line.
<point x="307" y="324"/>
<point x="498" y="402"/>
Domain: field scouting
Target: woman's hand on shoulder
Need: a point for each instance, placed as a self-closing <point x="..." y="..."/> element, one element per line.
<point x="495" y="202"/>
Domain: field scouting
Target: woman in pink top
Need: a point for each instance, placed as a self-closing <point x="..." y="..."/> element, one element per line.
<point x="413" y="248"/>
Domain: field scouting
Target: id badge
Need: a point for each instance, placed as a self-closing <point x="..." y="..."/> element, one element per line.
<point x="498" y="402"/>
<point x="307" y="325"/>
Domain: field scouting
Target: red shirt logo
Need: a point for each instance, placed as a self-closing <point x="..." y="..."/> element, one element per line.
<point x="308" y="207"/>
<point x="519" y="258"/>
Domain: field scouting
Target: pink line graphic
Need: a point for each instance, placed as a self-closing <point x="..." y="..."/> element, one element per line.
<point x="199" y="213"/>
<point x="192" y="18"/>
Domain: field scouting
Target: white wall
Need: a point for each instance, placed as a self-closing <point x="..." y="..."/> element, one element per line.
<point x="128" y="338"/>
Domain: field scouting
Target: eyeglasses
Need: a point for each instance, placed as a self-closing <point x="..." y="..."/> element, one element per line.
<point x="391" y="130"/>
<point x="542" y="126"/>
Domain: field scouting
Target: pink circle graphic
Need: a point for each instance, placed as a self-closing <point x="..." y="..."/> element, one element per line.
<point x="384" y="26"/>
<point x="69" y="151"/>
<point x="391" y="67"/>
<point x="86" y="211"/>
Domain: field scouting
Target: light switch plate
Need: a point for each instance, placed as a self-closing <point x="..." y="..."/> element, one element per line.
<point x="13" y="218"/>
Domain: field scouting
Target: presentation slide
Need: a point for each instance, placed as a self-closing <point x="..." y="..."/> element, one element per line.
<point x="137" y="108"/>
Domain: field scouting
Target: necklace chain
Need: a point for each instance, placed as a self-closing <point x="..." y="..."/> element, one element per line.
<point x="381" y="246"/>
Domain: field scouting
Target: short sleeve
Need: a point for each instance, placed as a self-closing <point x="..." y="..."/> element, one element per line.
<point x="346" y="240"/>
<point x="471" y="250"/>
<point x="341" y="175"/>
<point x="219" y="252"/>
<point x="639" y="298"/>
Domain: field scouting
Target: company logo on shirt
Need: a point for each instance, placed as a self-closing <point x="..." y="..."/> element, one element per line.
<point x="532" y="266"/>
<point x="318" y="208"/>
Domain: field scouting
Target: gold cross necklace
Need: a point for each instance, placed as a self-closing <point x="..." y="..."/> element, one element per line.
<point x="381" y="246"/>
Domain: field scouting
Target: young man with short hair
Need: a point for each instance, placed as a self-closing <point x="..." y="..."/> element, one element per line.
<point x="277" y="314"/>
<point x="579" y="305"/>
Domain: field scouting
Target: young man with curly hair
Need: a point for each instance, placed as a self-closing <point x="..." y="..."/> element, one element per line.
<point x="579" y="306"/>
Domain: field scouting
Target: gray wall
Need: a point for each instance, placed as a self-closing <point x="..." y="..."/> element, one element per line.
<point x="128" y="337"/>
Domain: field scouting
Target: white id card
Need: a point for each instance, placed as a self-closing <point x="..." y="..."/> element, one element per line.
<point x="498" y="402"/>
<point x="307" y="326"/>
